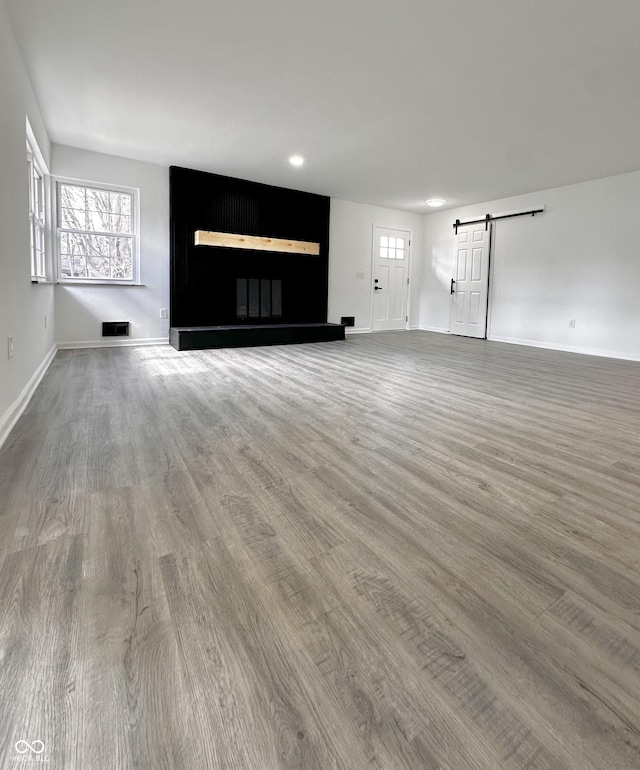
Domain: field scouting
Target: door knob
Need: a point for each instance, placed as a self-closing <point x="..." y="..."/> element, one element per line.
<point x="453" y="286"/>
<point x="377" y="288"/>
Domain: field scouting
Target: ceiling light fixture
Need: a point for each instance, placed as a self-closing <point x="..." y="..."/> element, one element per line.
<point x="296" y="160"/>
<point x="435" y="202"/>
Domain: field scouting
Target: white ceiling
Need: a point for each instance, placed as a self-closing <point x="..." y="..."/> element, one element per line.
<point x="389" y="103"/>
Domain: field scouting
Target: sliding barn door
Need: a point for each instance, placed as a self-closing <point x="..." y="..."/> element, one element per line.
<point x="470" y="285"/>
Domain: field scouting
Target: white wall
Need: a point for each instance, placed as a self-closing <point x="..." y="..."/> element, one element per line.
<point x="81" y="309"/>
<point x="23" y="306"/>
<point x="580" y="259"/>
<point x="350" y="254"/>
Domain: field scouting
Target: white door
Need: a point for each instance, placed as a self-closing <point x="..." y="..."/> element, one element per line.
<point x="390" y="278"/>
<point x="470" y="284"/>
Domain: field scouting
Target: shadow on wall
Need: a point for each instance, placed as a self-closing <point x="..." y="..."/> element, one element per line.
<point x="441" y="263"/>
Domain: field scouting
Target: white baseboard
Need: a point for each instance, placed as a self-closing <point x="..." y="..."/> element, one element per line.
<point x="15" y="411"/>
<point x="567" y="348"/>
<point x="109" y="343"/>
<point x="371" y="331"/>
<point x="438" y="329"/>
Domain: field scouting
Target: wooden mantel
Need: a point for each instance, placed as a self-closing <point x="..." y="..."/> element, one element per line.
<point x="256" y="243"/>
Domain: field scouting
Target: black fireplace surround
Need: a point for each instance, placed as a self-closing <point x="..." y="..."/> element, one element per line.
<point x="217" y="287"/>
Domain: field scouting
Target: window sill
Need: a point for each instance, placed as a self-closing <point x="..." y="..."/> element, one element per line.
<point x="43" y="281"/>
<point x="99" y="283"/>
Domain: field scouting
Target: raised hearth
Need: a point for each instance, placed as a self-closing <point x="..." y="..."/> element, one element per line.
<point x="249" y="335"/>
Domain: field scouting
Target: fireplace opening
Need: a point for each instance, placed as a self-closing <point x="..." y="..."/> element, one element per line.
<point x="259" y="298"/>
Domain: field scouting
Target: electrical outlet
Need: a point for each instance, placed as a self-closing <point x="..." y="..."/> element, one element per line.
<point x="9" y="347"/>
<point x="572" y="323"/>
<point x="163" y="312"/>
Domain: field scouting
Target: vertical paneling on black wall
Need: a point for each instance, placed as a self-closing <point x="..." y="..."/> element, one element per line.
<point x="204" y="278"/>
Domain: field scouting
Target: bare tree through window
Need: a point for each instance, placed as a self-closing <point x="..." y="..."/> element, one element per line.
<point x="96" y="233"/>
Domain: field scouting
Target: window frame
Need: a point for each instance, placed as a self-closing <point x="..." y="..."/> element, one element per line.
<point x="134" y="192"/>
<point x="39" y="211"/>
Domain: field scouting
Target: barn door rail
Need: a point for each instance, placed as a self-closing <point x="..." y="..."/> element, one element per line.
<point x="491" y="218"/>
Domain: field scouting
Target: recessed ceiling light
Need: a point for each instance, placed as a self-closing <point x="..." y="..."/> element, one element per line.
<point x="296" y="160"/>
<point x="435" y="202"/>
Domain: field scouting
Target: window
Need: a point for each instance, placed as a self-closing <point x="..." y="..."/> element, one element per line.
<point x="97" y="236"/>
<point x="391" y="248"/>
<point x="37" y="211"/>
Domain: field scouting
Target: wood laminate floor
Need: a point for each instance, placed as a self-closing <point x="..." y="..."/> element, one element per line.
<point x="404" y="550"/>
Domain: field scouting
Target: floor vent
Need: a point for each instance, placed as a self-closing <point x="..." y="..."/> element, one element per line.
<point x="115" y="328"/>
<point x="348" y="320"/>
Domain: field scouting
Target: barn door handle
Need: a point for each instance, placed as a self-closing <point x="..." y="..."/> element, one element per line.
<point x="453" y="286"/>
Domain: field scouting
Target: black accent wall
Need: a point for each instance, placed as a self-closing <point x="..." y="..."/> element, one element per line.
<point x="205" y="279"/>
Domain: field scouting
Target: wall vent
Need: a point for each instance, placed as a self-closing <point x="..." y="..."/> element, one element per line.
<point x="348" y="320"/>
<point x="115" y="328"/>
